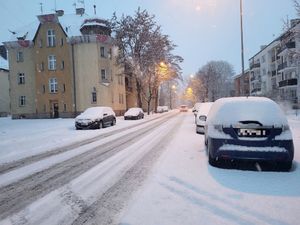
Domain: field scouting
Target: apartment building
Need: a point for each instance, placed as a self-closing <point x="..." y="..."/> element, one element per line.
<point x="4" y="87"/>
<point x="274" y="70"/>
<point x="62" y="64"/>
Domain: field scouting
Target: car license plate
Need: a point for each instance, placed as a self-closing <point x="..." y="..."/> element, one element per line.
<point x="252" y="132"/>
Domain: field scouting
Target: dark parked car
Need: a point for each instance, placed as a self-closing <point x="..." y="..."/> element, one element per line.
<point x="95" y="117"/>
<point x="134" y="114"/>
<point x="248" y="128"/>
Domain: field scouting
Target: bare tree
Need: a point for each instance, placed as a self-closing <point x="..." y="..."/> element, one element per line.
<point x="215" y="80"/>
<point x="142" y="47"/>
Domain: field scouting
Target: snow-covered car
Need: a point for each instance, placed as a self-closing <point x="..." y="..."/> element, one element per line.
<point x="202" y="116"/>
<point x="134" y="114"/>
<point x="161" y="109"/>
<point x="248" y="128"/>
<point x="183" y="108"/>
<point x="95" y="117"/>
<point x="196" y="108"/>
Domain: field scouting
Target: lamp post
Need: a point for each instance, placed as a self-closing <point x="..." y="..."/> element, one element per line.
<point x="242" y="38"/>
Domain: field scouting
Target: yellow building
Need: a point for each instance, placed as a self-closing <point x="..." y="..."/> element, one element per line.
<point x="63" y="64"/>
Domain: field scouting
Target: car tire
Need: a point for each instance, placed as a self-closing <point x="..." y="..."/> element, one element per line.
<point x="113" y="122"/>
<point x="285" y="166"/>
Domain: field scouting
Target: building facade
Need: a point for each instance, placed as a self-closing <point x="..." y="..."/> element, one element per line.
<point x="274" y="70"/>
<point x="242" y="84"/>
<point x="62" y="65"/>
<point x="4" y="88"/>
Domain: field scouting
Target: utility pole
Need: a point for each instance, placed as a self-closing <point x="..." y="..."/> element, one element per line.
<point x="242" y="38"/>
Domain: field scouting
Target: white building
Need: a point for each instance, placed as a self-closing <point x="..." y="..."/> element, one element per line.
<point x="274" y="70"/>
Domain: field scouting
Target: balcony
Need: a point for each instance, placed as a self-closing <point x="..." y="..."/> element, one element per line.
<point x="273" y="73"/>
<point x="254" y="65"/>
<point x="282" y="66"/>
<point x="289" y="82"/>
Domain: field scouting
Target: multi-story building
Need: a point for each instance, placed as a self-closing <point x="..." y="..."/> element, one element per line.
<point x="274" y="70"/>
<point x="4" y="87"/>
<point x="242" y="84"/>
<point x="63" y="64"/>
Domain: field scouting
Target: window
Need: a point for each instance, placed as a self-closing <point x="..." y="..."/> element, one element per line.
<point x="20" y="57"/>
<point x="21" y="78"/>
<point x="103" y="74"/>
<point x="44" y="88"/>
<point x="50" y="38"/>
<point x="61" y="42"/>
<point x="22" y="100"/>
<point x="51" y="62"/>
<point x="102" y="52"/>
<point x="65" y="107"/>
<point x="62" y="65"/>
<point x="94" y="97"/>
<point x="64" y="88"/>
<point x="121" y="99"/>
<point x="52" y="85"/>
<point x="110" y="54"/>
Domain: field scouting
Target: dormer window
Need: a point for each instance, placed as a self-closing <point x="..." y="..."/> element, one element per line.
<point x="50" y="38"/>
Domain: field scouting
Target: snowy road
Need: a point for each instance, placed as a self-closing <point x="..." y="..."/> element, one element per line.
<point x="139" y="172"/>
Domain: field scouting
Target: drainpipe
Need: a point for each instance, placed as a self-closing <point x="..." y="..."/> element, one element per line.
<point x="74" y="80"/>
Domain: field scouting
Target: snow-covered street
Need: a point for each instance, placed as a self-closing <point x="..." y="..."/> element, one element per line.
<point x="151" y="171"/>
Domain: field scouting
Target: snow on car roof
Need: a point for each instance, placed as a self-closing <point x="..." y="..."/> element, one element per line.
<point x="204" y="108"/>
<point x="229" y="111"/>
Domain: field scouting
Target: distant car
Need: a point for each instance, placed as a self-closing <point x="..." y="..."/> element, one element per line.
<point x="95" y="118"/>
<point x="134" y="114"/>
<point x="248" y="128"/>
<point x="161" y="109"/>
<point x="196" y="108"/>
<point x="202" y="116"/>
<point x="183" y="108"/>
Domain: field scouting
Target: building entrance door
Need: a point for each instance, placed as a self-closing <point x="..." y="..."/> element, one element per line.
<point x="54" y="109"/>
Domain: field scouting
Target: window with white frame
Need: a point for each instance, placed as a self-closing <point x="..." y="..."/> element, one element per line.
<point x="21" y="78"/>
<point x="20" y="57"/>
<point x="50" y="38"/>
<point x="22" y="100"/>
<point x="53" y="85"/>
<point x="94" y="97"/>
<point x="51" y="62"/>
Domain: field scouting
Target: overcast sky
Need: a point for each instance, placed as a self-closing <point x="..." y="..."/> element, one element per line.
<point x="204" y="30"/>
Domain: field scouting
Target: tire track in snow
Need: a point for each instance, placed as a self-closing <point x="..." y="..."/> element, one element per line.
<point x="17" y="195"/>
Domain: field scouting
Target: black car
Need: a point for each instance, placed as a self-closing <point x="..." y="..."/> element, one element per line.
<point x="95" y="118"/>
<point x="134" y="114"/>
<point x="251" y="129"/>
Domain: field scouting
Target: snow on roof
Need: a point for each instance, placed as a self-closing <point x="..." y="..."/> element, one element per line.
<point x="71" y="24"/>
<point x="229" y="111"/>
<point x="3" y="63"/>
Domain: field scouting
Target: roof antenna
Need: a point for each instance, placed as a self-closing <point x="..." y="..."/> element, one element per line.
<point x="95" y="9"/>
<point x="41" y="4"/>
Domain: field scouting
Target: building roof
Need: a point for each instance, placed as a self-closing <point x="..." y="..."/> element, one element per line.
<point x="3" y="63"/>
<point x="70" y="23"/>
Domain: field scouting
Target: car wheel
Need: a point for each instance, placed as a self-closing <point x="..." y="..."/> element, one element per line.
<point x="285" y="166"/>
<point x="113" y="122"/>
